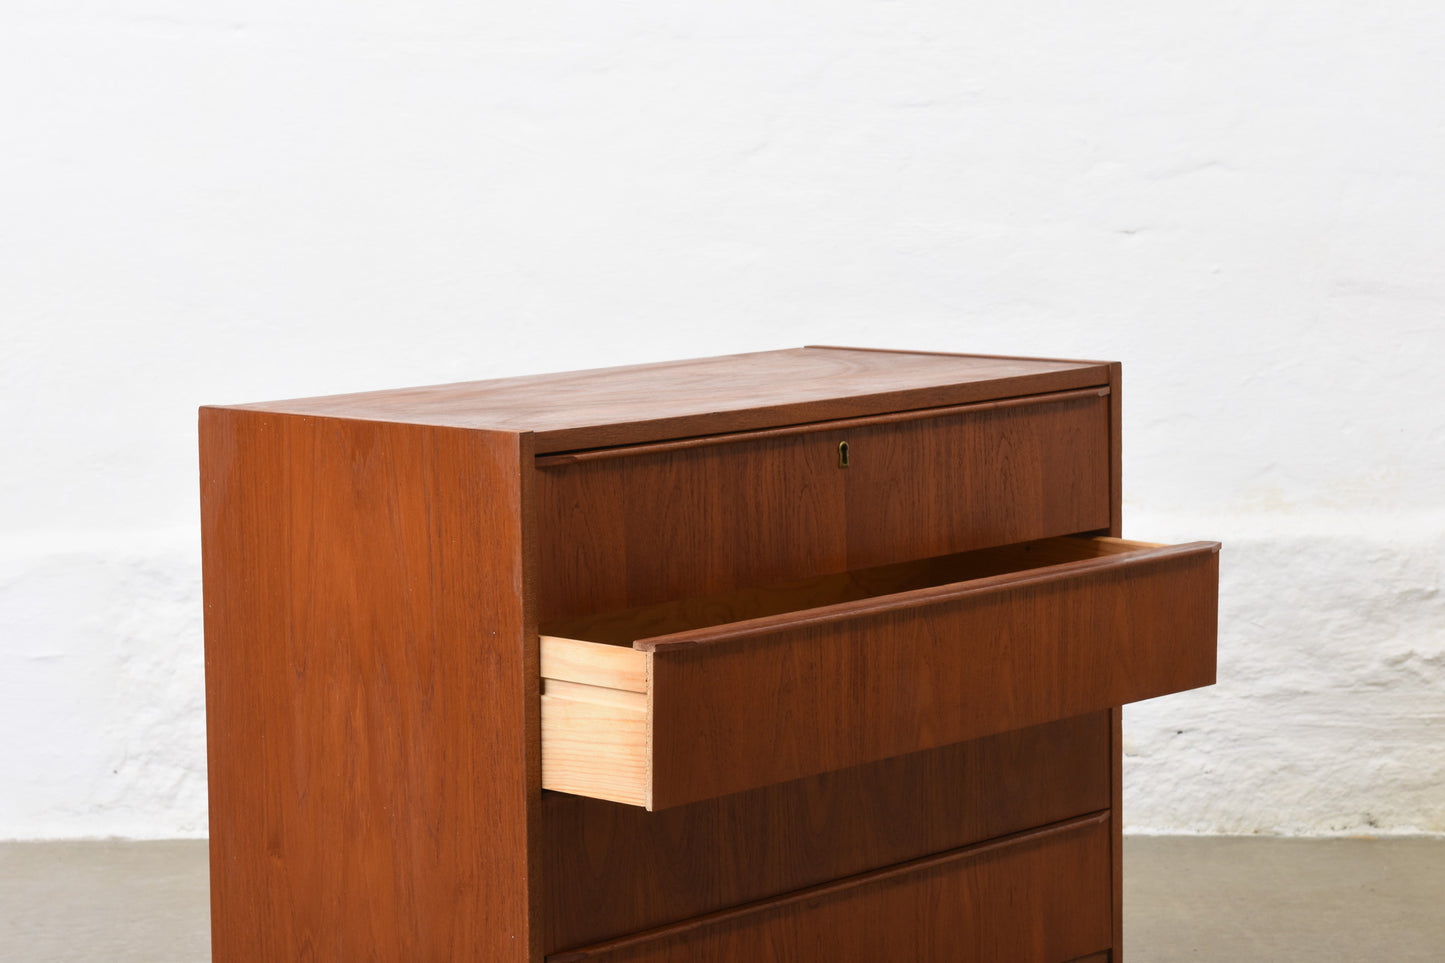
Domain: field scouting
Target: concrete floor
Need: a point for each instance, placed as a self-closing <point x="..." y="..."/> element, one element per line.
<point x="1246" y="898"/>
<point x="1186" y="898"/>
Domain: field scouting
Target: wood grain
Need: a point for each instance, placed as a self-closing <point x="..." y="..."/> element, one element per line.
<point x="578" y="660"/>
<point x="370" y="691"/>
<point x="594" y="742"/>
<point x="1116" y="452"/>
<point x="752" y="703"/>
<point x="1116" y="714"/>
<point x="1041" y="897"/>
<point x="679" y="399"/>
<point x="955" y="354"/>
<point x="1116" y="827"/>
<point x="622" y="532"/>
<point x="933" y="486"/>
<point x="613" y="870"/>
<point x="844" y="424"/>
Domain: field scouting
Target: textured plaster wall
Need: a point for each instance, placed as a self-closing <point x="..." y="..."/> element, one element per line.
<point x="235" y="201"/>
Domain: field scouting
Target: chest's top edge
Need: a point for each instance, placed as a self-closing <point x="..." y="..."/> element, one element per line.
<point x="675" y="399"/>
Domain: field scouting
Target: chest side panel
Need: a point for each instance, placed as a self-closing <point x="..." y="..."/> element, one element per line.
<point x="367" y="691"/>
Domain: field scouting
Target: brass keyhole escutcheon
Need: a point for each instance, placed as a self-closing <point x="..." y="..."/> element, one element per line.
<point x="842" y="454"/>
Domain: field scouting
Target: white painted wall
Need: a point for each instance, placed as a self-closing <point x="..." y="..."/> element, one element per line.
<point x="238" y="201"/>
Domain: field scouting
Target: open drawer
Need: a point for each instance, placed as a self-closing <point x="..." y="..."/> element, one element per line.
<point x="672" y="703"/>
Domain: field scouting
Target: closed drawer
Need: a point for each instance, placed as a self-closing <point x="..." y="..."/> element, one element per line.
<point x="613" y="870"/>
<point x="633" y="526"/>
<point x="1041" y="897"/>
<point x="667" y="704"/>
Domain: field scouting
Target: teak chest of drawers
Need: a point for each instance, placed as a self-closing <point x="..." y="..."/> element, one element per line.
<point x="809" y="655"/>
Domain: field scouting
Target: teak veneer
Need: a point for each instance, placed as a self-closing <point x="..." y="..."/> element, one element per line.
<point x="799" y="655"/>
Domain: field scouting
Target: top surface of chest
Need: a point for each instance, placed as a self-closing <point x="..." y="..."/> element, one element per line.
<point x="654" y="402"/>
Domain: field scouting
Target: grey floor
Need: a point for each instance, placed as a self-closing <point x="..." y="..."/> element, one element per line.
<point x="1186" y="898"/>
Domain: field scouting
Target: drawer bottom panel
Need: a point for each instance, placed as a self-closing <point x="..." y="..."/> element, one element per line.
<point x="1039" y="897"/>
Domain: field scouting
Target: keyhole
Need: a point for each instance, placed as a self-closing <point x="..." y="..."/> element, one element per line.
<point x="842" y="454"/>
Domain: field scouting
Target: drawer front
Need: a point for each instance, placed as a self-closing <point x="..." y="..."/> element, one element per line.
<point x="764" y="700"/>
<point x="775" y="699"/>
<point x="626" y="527"/>
<point x="1043" y="897"/>
<point x="613" y="870"/>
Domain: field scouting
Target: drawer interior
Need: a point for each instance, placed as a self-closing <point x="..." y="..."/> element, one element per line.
<point x="653" y="622"/>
